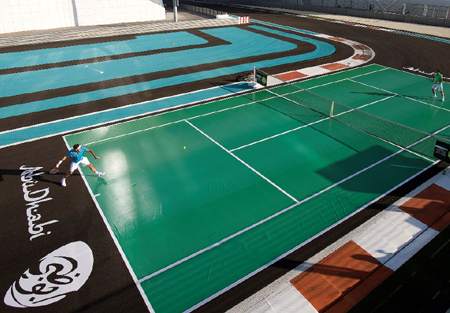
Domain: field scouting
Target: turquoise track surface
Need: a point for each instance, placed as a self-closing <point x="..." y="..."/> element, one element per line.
<point x="243" y="44"/>
<point x="55" y="78"/>
<point x="84" y="52"/>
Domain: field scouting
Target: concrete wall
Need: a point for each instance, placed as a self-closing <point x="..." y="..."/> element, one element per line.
<point x="26" y="15"/>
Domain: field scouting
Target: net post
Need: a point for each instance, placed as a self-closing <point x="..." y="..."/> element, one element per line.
<point x="254" y="74"/>
<point x="332" y="109"/>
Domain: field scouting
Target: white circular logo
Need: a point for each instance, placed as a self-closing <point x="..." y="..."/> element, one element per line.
<point x="60" y="272"/>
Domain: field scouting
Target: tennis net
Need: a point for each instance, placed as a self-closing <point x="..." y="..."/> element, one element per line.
<point x="403" y="136"/>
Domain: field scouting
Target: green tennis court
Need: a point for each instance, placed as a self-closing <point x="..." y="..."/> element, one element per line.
<point x="199" y="198"/>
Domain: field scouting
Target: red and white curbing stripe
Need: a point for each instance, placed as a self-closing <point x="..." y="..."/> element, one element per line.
<point x="244" y="20"/>
<point x="362" y="54"/>
<point x="365" y="258"/>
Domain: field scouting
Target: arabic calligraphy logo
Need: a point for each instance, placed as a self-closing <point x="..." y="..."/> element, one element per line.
<point x="60" y="272"/>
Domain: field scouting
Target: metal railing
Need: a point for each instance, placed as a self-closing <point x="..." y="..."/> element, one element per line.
<point x="426" y="10"/>
<point x="201" y="10"/>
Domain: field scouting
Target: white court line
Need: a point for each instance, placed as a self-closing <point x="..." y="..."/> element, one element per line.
<point x="343" y="79"/>
<point x="140" y="281"/>
<point x="116" y="121"/>
<point x="114" y="238"/>
<point x="240" y="160"/>
<point x="300" y="127"/>
<point x="278" y="135"/>
<point x="171" y="123"/>
<point x="351" y="110"/>
<point x="396" y="94"/>
<point x="266" y="219"/>
<point x="275" y="96"/>
<point x="401" y="149"/>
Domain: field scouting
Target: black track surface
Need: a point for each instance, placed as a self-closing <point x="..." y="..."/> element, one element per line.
<point x="110" y="287"/>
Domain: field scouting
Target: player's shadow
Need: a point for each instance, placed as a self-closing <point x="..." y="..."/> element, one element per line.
<point x="369" y="170"/>
<point x="238" y="87"/>
<point x="39" y="178"/>
<point x="374" y="93"/>
<point x="389" y="94"/>
<point x="333" y="270"/>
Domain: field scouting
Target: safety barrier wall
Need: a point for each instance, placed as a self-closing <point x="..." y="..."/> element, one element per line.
<point x="26" y="15"/>
<point x="425" y="13"/>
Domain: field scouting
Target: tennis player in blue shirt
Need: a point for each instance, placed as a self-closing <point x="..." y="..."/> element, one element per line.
<point x="77" y="158"/>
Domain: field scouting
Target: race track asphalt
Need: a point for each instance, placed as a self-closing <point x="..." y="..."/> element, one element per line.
<point x="75" y="217"/>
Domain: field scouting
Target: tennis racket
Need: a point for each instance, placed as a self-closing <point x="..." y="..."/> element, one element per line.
<point x="54" y="170"/>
